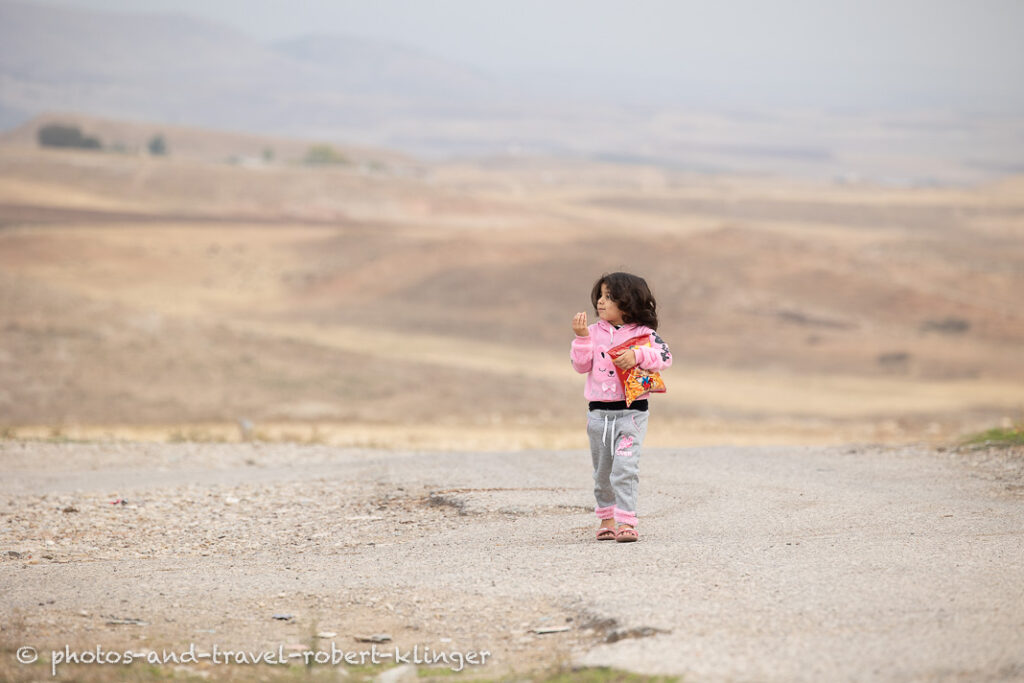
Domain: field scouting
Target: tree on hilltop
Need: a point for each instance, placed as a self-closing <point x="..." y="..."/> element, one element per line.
<point x="60" y="135"/>
<point x="325" y="154"/>
<point x="157" y="145"/>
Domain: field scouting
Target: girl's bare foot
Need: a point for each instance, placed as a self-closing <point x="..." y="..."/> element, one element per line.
<point x="626" y="534"/>
<point x="606" y="532"/>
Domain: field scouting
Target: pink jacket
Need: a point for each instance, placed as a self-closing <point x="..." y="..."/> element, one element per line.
<point x="588" y="354"/>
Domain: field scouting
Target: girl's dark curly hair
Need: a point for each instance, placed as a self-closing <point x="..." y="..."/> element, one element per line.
<point x="632" y="295"/>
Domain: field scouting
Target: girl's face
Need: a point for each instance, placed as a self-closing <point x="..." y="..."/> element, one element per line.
<point x="607" y="309"/>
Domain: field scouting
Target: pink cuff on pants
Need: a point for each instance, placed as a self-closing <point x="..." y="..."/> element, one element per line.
<point x="625" y="517"/>
<point x="605" y="513"/>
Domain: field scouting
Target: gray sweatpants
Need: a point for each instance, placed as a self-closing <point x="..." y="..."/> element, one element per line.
<point x="615" y="440"/>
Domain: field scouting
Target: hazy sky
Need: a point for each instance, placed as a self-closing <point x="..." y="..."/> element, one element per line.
<point x="948" y="53"/>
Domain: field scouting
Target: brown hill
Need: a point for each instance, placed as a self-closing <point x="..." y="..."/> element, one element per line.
<point x="162" y="291"/>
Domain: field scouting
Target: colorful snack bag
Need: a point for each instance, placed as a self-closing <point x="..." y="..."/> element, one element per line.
<point x="636" y="381"/>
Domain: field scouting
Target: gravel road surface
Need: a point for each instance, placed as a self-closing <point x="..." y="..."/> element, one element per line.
<point x="755" y="564"/>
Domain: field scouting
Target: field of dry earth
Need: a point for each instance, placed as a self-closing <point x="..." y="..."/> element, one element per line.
<point x="396" y="303"/>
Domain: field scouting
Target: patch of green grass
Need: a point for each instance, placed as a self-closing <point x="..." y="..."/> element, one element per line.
<point x="148" y="673"/>
<point x="438" y="672"/>
<point x="56" y="435"/>
<point x="603" y="674"/>
<point x="194" y="436"/>
<point x="139" y="672"/>
<point x="999" y="437"/>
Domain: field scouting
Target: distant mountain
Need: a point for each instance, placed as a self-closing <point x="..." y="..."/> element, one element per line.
<point x="180" y="69"/>
<point x="356" y="65"/>
<point x="59" y="45"/>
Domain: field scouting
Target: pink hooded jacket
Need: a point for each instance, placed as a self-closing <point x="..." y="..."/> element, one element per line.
<point x="589" y="354"/>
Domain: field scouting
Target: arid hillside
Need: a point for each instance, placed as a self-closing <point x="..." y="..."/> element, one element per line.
<point x="341" y="302"/>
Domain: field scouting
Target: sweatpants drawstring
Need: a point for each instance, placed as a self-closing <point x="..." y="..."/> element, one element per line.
<point x="604" y="432"/>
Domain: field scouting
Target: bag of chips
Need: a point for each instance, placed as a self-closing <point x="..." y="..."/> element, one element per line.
<point x="636" y="381"/>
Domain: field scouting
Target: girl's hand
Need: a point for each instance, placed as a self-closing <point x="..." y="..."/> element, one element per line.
<point x="626" y="360"/>
<point x="579" y="325"/>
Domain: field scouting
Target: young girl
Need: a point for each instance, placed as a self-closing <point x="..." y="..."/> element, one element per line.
<point x="626" y="309"/>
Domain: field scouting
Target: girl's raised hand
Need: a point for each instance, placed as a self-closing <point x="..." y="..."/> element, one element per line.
<point x="579" y="325"/>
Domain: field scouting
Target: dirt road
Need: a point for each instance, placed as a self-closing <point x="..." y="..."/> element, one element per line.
<point x="755" y="564"/>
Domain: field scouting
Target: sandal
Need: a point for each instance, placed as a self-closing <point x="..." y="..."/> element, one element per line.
<point x="606" y="533"/>
<point x="626" y="534"/>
